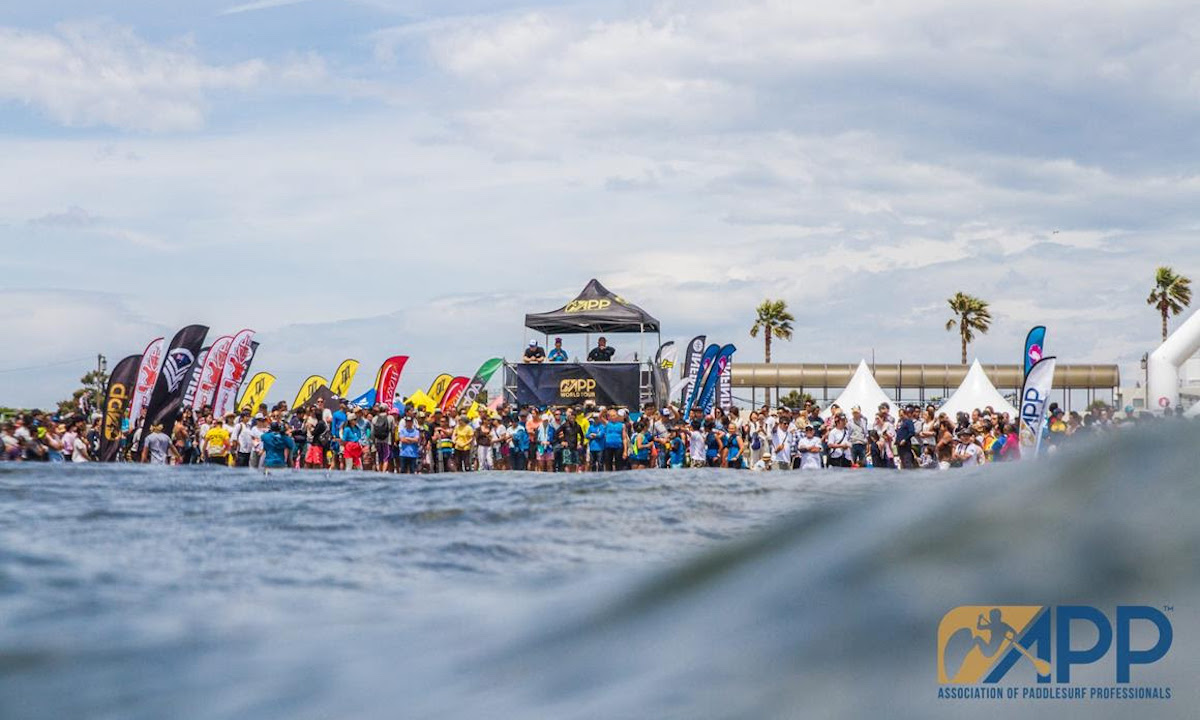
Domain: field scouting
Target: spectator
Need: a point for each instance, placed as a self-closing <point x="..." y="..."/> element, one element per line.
<point x="809" y="449"/>
<point x="278" y="448"/>
<point x="157" y="447"/>
<point x="410" y="446"/>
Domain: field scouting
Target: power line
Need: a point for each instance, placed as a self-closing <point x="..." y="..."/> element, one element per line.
<point x="42" y="367"/>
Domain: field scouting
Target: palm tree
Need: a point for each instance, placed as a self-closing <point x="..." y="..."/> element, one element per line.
<point x="971" y="315"/>
<point x="1171" y="294"/>
<point x="775" y="321"/>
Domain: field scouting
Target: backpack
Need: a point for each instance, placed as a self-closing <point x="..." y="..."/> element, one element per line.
<point x="756" y="442"/>
<point x="379" y="429"/>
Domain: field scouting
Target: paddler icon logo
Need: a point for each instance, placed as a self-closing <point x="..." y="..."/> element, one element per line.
<point x="972" y="639"/>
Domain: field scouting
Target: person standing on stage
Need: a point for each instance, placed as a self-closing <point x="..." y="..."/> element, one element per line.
<point x="602" y="352"/>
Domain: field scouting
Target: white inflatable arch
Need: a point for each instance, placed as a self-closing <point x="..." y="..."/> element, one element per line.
<point x="1162" y="368"/>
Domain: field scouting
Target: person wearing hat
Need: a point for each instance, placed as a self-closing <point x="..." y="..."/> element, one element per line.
<point x="337" y="420"/>
<point x="245" y="435"/>
<point x="157" y="447"/>
<point x="595" y="445"/>
<point x="602" y="352"/>
<point x="242" y="442"/>
<point x="278" y="447"/>
<point x="351" y="437"/>
<point x="410" y="446"/>
<point x="808" y="448"/>
<point x="782" y="439"/>
<point x="216" y="444"/>
<point x="837" y="440"/>
<point x="534" y="353"/>
<point x="464" y="439"/>
<point x="967" y="452"/>
<point x="383" y="432"/>
<point x="441" y="442"/>
<point x="262" y="425"/>
<point x="557" y="354"/>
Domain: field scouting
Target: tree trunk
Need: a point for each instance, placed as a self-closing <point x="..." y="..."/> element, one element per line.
<point x="964" y="345"/>
<point x="767" y="356"/>
<point x="1164" y="315"/>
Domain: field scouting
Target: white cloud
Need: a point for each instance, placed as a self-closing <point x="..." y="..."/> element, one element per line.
<point x="260" y="5"/>
<point x="87" y="74"/>
<point x="72" y="217"/>
<point x="980" y="74"/>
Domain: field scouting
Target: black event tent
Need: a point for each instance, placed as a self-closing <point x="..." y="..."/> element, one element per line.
<point x="595" y="310"/>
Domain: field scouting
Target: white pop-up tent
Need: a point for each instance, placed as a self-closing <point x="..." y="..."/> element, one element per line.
<point x="976" y="393"/>
<point x="864" y="392"/>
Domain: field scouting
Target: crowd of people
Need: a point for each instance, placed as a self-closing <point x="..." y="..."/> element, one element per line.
<point x="559" y="439"/>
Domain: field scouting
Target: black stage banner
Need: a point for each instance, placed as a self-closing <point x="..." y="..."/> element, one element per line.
<point x="577" y="383"/>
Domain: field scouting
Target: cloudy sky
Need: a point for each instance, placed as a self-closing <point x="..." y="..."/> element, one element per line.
<point x="370" y="177"/>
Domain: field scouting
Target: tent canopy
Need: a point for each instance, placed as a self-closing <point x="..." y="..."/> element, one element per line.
<point x="595" y="310"/>
<point x="862" y="392"/>
<point x="977" y="393"/>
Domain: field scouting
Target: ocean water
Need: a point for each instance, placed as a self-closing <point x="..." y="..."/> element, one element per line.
<point x="135" y="592"/>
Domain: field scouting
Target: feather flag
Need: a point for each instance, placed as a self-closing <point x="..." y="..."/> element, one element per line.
<point x="343" y="377"/>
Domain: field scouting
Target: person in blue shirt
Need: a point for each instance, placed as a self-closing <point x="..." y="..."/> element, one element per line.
<point x="410" y="446"/>
<point x="278" y="448"/>
<point x="712" y="444"/>
<point x="337" y="420"/>
<point x="557" y="354"/>
<point x="640" y="446"/>
<point x="733" y="450"/>
<point x="595" y="436"/>
<point x="616" y="442"/>
<point x="678" y="449"/>
<point x="520" y="447"/>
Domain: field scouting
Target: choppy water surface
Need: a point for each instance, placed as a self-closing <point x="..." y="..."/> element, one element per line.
<point x="153" y="593"/>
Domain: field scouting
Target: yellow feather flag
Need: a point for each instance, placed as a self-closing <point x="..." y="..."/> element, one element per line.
<point x="342" y="378"/>
<point x="256" y="391"/>
<point x="310" y="386"/>
<point x="438" y="389"/>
